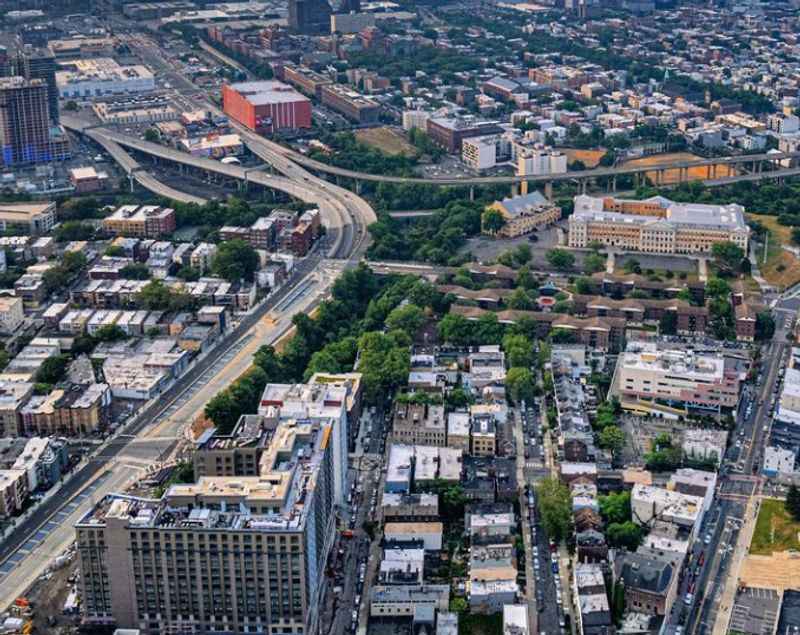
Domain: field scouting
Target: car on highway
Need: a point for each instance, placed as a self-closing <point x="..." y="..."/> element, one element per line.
<point x="688" y="599"/>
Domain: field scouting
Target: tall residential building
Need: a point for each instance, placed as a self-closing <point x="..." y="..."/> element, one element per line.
<point x="24" y="122"/>
<point x="243" y="550"/>
<point x="40" y="64"/>
<point x="310" y="17"/>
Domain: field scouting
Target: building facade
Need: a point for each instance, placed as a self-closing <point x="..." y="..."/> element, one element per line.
<point x="224" y="554"/>
<point x="656" y="225"/>
<point x="266" y="107"/>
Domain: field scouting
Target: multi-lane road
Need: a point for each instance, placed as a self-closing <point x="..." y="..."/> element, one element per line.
<point x="718" y="550"/>
<point x="27" y="550"/>
<point x="143" y="442"/>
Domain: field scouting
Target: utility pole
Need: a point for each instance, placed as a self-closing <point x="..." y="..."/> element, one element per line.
<point x="766" y="242"/>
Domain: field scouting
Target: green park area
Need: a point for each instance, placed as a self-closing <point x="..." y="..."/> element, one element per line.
<point x="776" y="530"/>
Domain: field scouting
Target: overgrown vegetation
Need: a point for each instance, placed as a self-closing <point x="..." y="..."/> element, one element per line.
<point x="350" y="323"/>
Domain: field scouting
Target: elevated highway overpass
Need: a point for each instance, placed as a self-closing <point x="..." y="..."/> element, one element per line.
<point x="714" y="165"/>
<point x="344" y="212"/>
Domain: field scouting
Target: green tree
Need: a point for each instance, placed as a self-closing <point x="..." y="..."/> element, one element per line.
<point x="492" y="221"/>
<point x="110" y="333"/>
<point x="728" y="256"/>
<point x="631" y="265"/>
<point x="135" y="271"/>
<point x="458" y="398"/>
<point x="519" y="300"/>
<point x="612" y="438"/>
<point x="73" y="230"/>
<point x="235" y="260"/>
<point x="560" y="259"/>
<point x="616" y="507"/>
<point x="593" y="263"/>
<point x="408" y="318"/>
<point x="489" y="330"/>
<point x="456" y="329"/>
<point x="73" y="262"/>
<point x="521" y="384"/>
<point x="668" y="324"/>
<point x="555" y="508"/>
<point x="717" y="288"/>
<point x="518" y="350"/>
<point x="55" y="279"/>
<point x="627" y="535"/>
<point x="765" y="326"/>
<point x="584" y="286"/>
<point x="522" y="254"/>
<point x="156" y="296"/>
<point x="151" y="135"/>
<point x="383" y="363"/>
<point x="525" y="278"/>
<point x="83" y="345"/>
<point x="188" y="274"/>
<point x="52" y="369"/>
<point x="793" y="501"/>
<point x="115" y="251"/>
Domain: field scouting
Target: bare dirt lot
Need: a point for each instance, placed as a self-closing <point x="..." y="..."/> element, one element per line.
<point x="673" y="176"/>
<point x="386" y="140"/>
<point x="590" y="158"/>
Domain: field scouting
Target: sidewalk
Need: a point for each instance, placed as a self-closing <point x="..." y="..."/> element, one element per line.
<point x="739" y="554"/>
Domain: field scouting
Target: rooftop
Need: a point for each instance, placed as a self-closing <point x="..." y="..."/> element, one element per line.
<point x="687" y="364"/>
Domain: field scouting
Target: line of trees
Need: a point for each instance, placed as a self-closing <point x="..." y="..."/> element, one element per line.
<point x="364" y="318"/>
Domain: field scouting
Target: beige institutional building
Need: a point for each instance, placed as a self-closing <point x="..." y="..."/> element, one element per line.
<point x="656" y="225"/>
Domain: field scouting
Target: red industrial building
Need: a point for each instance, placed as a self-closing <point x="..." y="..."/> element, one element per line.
<point x="267" y="106"/>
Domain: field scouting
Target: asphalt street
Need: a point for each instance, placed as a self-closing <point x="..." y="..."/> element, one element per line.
<point x="13" y="543"/>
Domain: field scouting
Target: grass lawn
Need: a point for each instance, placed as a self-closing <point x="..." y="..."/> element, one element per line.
<point x="775" y="530"/>
<point x="386" y="140"/>
<point x="474" y="624"/>
<point x="782" y="269"/>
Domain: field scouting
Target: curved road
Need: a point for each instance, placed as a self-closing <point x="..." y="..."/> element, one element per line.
<point x="32" y="544"/>
<point x="338" y="205"/>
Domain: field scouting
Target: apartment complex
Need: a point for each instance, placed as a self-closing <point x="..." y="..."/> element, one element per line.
<point x="36" y="218"/>
<point x="688" y="318"/>
<point x="145" y="221"/>
<point x="524" y="214"/>
<point x="656" y="225"/>
<point x="234" y="552"/>
<point x="306" y="80"/>
<point x="450" y="133"/>
<point x="267" y="106"/>
<point x="350" y="103"/>
<point x="310" y="17"/>
<point x="25" y="123"/>
<point x="40" y="64"/>
<point x="419" y="424"/>
<point x="11" y="314"/>
<point x="650" y="378"/>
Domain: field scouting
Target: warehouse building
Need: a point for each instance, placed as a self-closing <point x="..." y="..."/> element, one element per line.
<point x="266" y="107"/>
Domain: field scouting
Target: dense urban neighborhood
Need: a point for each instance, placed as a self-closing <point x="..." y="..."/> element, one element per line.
<point x="400" y="317"/>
